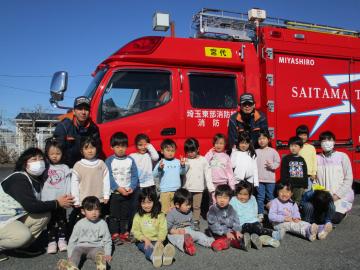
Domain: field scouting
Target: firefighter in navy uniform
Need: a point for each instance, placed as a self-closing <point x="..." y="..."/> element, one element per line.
<point x="246" y="119"/>
<point x="70" y="131"/>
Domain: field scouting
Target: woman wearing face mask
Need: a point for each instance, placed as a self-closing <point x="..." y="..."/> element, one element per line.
<point x="23" y="215"/>
<point x="335" y="174"/>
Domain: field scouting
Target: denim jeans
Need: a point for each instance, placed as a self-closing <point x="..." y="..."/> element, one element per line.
<point x="148" y="251"/>
<point x="265" y="191"/>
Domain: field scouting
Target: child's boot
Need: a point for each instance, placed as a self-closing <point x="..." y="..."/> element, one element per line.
<point x="156" y="256"/>
<point x="246" y="241"/>
<point x="312" y="232"/>
<point x="169" y="254"/>
<point x="189" y="246"/>
<point x="100" y="261"/>
<point x="267" y="240"/>
<point x="324" y="230"/>
<point x="255" y="240"/>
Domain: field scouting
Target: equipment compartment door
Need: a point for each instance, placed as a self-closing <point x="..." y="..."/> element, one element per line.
<point x="313" y="91"/>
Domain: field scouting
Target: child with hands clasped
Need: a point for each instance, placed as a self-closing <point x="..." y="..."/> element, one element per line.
<point x="246" y="208"/>
<point x="168" y="170"/>
<point x="180" y="225"/>
<point x="220" y="164"/>
<point x="243" y="160"/>
<point x="294" y="169"/>
<point x="284" y="214"/>
<point x="57" y="183"/>
<point x="124" y="180"/>
<point x="144" y="158"/>
<point x="150" y="229"/>
<point x="224" y="222"/>
<point x="90" y="177"/>
<point x="90" y="238"/>
<point x="268" y="160"/>
<point x="197" y="175"/>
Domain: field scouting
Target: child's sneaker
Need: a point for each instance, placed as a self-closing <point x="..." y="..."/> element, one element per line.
<point x="156" y="256"/>
<point x="312" y="232"/>
<point x="255" y="240"/>
<point x="324" y="230"/>
<point x="267" y="240"/>
<point x="124" y="237"/>
<point x="65" y="265"/>
<point x="196" y="225"/>
<point x="100" y="261"/>
<point x="51" y="248"/>
<point x="246" y="241"/>
<point x="116" y="239"/>
<point x="189" y="246"/>
<point x="261" y="218"/>
<point x="168" y="255"/>
<point x="62" y="245"/>
<point x="220" y="244"/>
<point x="279" y="235"/>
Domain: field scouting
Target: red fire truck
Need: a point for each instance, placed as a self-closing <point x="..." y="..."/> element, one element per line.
<point x="169" y="87"/>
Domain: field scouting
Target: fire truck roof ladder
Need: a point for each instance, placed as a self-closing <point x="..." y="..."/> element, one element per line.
<point x="221" y="24"/>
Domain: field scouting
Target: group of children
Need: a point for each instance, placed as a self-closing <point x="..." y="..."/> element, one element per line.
<point x="123" y="189"/>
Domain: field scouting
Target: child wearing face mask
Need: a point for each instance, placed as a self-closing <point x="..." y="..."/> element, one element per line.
<point x="335" y="174"/>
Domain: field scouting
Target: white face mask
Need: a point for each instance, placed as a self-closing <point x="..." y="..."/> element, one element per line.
<point x="36" y="168"/>
<point x="327" y="146"/>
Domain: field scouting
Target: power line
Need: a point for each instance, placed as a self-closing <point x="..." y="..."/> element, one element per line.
<point x="38" y="76"/>
<point x="29" y="90"/>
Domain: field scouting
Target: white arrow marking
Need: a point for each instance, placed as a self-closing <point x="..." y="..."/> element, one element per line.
<point x="325" y="113"/>
<point x="336" y="80"/>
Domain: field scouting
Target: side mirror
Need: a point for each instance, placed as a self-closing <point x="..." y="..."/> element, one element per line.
<point x="58" y="85"/>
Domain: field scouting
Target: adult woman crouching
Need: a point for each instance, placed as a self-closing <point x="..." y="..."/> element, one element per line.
<point x="23" y="215"/>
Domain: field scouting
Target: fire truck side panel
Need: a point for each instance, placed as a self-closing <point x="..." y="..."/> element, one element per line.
<point x="304" y="96"/>
<point x="355" y="117"/>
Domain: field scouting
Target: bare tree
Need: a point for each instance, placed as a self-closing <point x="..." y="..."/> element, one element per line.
<point x="28" y="127"/>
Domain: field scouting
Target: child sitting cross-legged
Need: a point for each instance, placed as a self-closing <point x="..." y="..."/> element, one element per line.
<point x="246" y="207"/>
<point x="284" y="214"/>
<point x="150" y="229"/>
<point x="180" y="224"/>
<point x="90" y="238"/>
<point x="224" y="223"/>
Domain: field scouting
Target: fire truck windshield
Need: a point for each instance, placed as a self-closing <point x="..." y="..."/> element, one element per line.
<point x="95" y="83"/>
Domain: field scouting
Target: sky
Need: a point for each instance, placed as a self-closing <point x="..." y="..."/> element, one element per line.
<point x="40" y="37"/>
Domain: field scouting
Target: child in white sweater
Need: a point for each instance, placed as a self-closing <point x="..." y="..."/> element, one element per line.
<point x="198" y="174"/>
<point x="243" y="160"/>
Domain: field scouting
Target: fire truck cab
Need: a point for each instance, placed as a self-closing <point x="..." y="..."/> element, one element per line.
<point x="169" y="87"/>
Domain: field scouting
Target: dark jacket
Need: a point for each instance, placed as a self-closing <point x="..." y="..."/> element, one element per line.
<point x="253" y="124"/>
<point x="69" y="135"/>
<point x="294" y="171"/>
<point x="19" y="187"/>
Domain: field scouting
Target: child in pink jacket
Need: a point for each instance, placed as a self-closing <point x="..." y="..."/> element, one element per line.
<point x="220" y="164"/>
